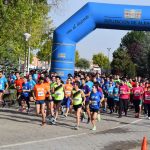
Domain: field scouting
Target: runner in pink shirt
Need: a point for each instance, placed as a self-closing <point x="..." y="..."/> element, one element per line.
<point x="147" y="100"/>
<point x="137" y="98"/>
<point x="124" y="92"/>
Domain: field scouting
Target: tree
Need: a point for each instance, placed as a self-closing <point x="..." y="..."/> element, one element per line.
<point x="148" y="66"/>
<point x="19" y="17"/>
<point x="45" y="52"/>
<point x="101" y="60"/>
<point x="135" y="43"/>
<point x="83" y="63"/>
<point x="77" y="57"/>
<point x="122" y="63"/>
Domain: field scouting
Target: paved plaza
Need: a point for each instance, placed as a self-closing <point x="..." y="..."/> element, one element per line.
<point x="23" y="132"/>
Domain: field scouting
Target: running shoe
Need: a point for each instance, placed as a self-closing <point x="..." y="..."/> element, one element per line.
<point x="148" y="118"/>
<point x="65" y="115"/>
<point x="82" y="117"/>
<point x="88" y="121"/>
<point x="110" y="112"/>
<point x="24" y="110"/>
<point x="137" y="116"/>
<point x="49" y="117"/>
<point x="119" y="116"/>
<point x="62" y="110"/>
<point x="104" y="110"/>
<point x="76" y="128"/>
<point x="94" y="128"/>
<point x="43" y="123"/>
<point x="53" y="122"/>
<point x="29" y="110"/>
<point x="116" y="110"/>
<point x="19" y="109"/>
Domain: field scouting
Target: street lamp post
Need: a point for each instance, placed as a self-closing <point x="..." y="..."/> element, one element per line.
<point x="27" y="63"/>
<point x="108" y="58"/>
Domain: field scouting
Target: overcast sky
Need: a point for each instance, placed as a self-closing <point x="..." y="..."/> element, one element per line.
<point x="100" y="39"/>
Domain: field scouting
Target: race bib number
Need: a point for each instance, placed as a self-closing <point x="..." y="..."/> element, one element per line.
<point x="57" y="93"/>
<point x="76" y="99"/>
<point x="147" y="98"/>
<point x="68" y="92"/>
<point x="121" y="91"/>
<point x="137" y="94"/>
<point x="24" y="88"/>
<point x="18" y="87"/>
<point x="94" y="102"/>
<point x="40" y="93"/>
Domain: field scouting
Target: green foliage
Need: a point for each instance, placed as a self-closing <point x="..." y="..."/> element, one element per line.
<point x="45" y="52"/>
<point x="77" y="57"/>
<point x="122" y="63"/>
<point x="83" y="63"/>
<point x="18" y="17"/>
<point x="101" y="60"/>
<point x="131" y="70"/>
<point x="148" y="66"/>
<point x="137" y="45"/>
<point x="133" y="43"/>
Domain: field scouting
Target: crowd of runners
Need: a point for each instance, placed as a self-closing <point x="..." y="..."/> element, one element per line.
<point x="84" y="94"/>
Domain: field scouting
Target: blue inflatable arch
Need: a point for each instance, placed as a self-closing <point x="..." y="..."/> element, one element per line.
<point x="87" y="19"/>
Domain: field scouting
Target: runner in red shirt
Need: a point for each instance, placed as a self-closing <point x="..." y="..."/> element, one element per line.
<point x="18" y="86"/>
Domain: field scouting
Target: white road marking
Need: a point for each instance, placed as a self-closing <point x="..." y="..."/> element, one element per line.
<point x="121" y="126"/>
<point x="44" y="140"/>
<point x="63" y="137"/>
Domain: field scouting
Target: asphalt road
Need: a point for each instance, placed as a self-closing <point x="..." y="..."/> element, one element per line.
<point x="19" y="131"/>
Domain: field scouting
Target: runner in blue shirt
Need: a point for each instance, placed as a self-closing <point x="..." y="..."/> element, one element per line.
<point x="107" y="83"/>
<point x="95" y="98"/>
<point x="102" y="84"/>
<point x="89" y="83"/>
<point x="110" y="100"/>
<point x="32" y="83"/>
<point x="98" y="77"/>
<point x="12" y="77"/>
<point x="25" y="96"/>
<point x="35" y="76"/>
<point x="116" y="97"/>
<point x="3" y="87"/>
